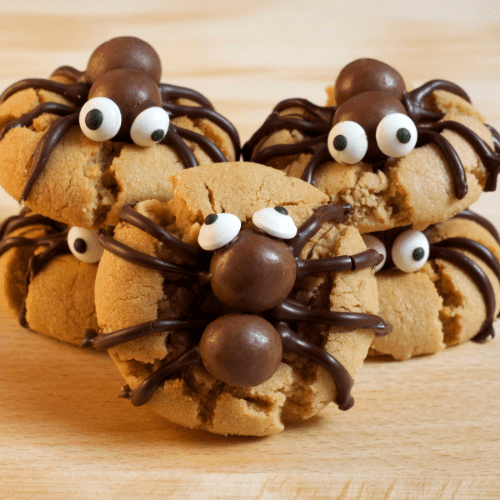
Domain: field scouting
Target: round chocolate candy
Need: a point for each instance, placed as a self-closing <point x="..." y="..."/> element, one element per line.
<point x="241" y="350"/>
<point x="253" y="273"/>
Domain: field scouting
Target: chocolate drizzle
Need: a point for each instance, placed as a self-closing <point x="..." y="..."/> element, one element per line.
<point x="55" y="241"/>
<point x="287" y="313"/>
<point x="371" y="77"/>
<point x="120" y="60"/>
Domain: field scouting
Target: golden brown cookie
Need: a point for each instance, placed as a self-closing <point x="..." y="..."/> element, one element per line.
<point x="79" y="145"/>
<point x="452" y="297"/>
<point x="232" y="329"/>
<point x="398" y="157"/>
<point x="43" y="283"/>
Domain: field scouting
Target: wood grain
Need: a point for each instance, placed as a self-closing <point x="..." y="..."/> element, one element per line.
<point x="422" y="429"/>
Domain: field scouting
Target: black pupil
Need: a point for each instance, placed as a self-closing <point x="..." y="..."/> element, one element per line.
<point x="418" y="254"/>
<point x="80" y="246"/>
<point x="281" y="210"/>
<point x="157" y="135"/>
<point x="94" y="119"/>
<point x="403" y="135"/>
<point x="210" y="219"/>
<point x="340" y="142"/>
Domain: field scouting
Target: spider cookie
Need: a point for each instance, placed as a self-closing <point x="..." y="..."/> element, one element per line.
<point x="398" y="157"/>
<point x="438" y="288"/>
<point x="47" y="275"/>
<point x="241" y="304"/>
<point x="79" y="145"/>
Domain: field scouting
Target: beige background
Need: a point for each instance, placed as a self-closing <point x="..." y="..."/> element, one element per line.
<point x="426" y="428"/>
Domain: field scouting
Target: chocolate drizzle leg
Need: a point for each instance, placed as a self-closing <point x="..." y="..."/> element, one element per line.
<point x="256" y="300"/>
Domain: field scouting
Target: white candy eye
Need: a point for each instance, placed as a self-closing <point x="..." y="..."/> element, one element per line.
<point x="276" y="222"/>
<point x="218" y="230"/>
<point x="410" y="251"/>
<point x="372" y="242"/>
<point x="150" y="126"/>
<point x="100" y="119"/>
<point x="347" y="142"/>
<point x="396" y="135"/>
<point x="84" y="244"/>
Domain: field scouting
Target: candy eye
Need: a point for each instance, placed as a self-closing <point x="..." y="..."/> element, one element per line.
<point x="100" y="119"/>
<point x="347" y="142"/>
<point x="218" y="230"/>
<point x="276" y="222"/>
<point x="396" y="135"/>
<point x="372" y="242"/>
<point x="84" y="244"/>
<point x="150" y="126"/>
<point x="410" y="251"/>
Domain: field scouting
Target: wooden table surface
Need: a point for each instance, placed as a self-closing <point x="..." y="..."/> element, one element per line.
<point x="427" y="428"/>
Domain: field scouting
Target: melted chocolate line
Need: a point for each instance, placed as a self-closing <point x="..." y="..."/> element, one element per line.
<point x="479" y="219"/>
<point x="70" y="72"/>
<point x="368" y="258"/>
<point x="169" y="91"/>
<point x="174" y="140"/>
<point x="478" y="276"/>
<point x="474" y="248"/>
<point x="149" y="385"/>
<point x="292" y="310"/>
<point x="326" y="213"/>
<point x="425" y="134"/>
<point x="131" y="255"/>
<point x="208" y="114"/>
<point x="76" y="92"/>
<point x="108" y="340"/>
<point x="44" y="148"/>
<point x="188" y="253"/>
<point x="490" y="160"/>
<point x="215" y="154"/>
<point x="23" y="220"/>
<point x="266" y="154"/>
<point x="421" y="93"/>
<point x="27" y="119"/>
<point x="495" y="136"/>
<point x="321" y="113"/>
<point x="341" y="377"/>
<point x="321" y="156"/>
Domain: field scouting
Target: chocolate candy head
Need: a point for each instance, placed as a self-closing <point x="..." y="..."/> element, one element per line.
<point x="124" y="52"/>
<point x="241" y="350"/>
<point x="364" y="75"/>
<point x="368" y="110"/>
<point x="253" y="273"/>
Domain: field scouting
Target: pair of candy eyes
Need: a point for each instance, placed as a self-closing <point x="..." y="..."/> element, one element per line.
<point x="101" y="119"/>
<point x="409" y="252"/>
<point x="220" y="229"/>
<point x="396" y="136"/>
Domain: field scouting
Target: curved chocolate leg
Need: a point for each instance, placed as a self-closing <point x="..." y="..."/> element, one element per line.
<point x="320" y="156"/>
<point x="216" y="155"/>
<point x="76" y="92"/>
<point x="44" y="148"/>
<point x="131" y="255"/>
<point x="479" y="219"/>
<point x="70" y="72"/>
<point x="27" y="119"/>
<point x="266" y="154"/>
<point x="341" y="377"/>
<point x="451" y="156"/>
<point x="362" y="260"/>
<point x="209" y="114"/>
<point x="174" y="140"/>
<point x="325" y="213"/>
<point x="148" y="386"/>
<point x="107" y="340"/>
<point x="323" y="114"/>
<point x="169" y="91"/>
<point x="481" y="280"/>
<point x="188" y="253"/>
<point x="292" y="310"/>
